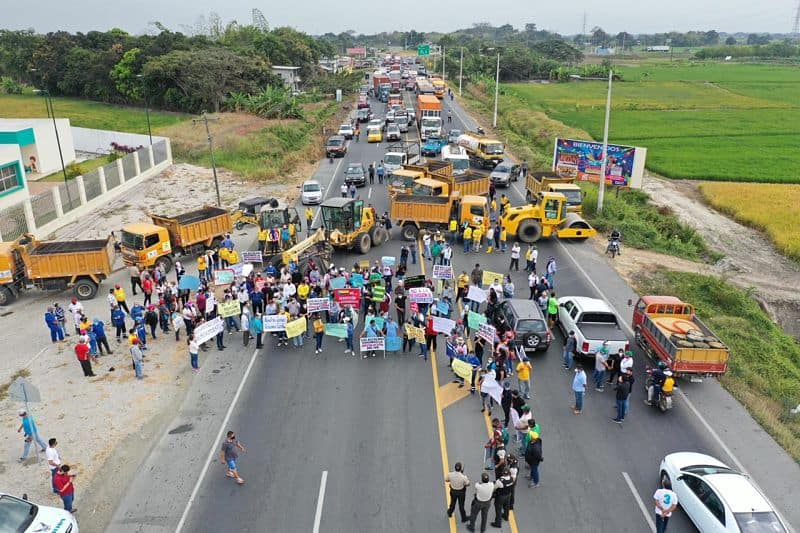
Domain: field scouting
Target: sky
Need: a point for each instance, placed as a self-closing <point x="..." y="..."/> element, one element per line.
<point x="371" y="16"/>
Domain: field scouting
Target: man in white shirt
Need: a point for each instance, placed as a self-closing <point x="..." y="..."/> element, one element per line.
<point x="666" y="501"/>
<point x="626" y="365"/>
<point x="53" y="461"/>
<point x="480" y="504"/>
<point x="76" y="310"/>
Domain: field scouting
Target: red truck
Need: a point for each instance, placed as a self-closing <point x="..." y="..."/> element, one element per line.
<point x="668" y="330"/>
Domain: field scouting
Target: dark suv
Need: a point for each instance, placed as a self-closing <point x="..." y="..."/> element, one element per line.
<point x="526" y="320"/>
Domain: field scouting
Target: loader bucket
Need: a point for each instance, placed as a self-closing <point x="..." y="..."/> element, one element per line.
<point x="575" y="227"/>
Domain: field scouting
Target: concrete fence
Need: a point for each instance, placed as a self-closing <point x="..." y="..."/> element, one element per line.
<point x="44" y="213"/>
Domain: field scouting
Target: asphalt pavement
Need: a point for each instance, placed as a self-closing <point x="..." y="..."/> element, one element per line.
<point x="340" y="444"/>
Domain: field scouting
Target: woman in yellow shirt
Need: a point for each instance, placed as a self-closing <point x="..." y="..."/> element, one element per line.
<point x="233" y="257"/>
<point x="223" y="256"/>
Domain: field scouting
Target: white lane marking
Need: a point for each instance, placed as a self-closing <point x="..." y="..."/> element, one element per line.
<point x="639" y="502"/>
<point x="320" y="500"/>
<point x="213" y="451"/>
<point x="369" y="194"/>
<point x="328" y="192"/>
<point x="35" y="357"/>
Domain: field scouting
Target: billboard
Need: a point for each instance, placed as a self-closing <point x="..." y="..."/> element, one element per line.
<point x="582" y="160"/>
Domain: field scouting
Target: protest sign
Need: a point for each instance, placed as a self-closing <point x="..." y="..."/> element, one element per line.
<point x="223" y="276"/>
<point x="443" y="325"/>
<point x="393" y="344"/>
<point x="462" y="369"/>
<point x="409" y="282"/>
<point x="388" y="260"/>
<point x="475" y="319"/>
<point x="296" y="327"/>
<point x="476" y="294"/>
<point x="375" y="278"/>
<point x="338" y="282"/>
<point x="347" y="296"/>
<point x="443" y="307"/>
<point x="487" y="332"/>
<point x="372" y="344"/>
<point x="378" y="293"/>
<point x="442" y="272"/>
<point x="231" y="308"/>
<point x="208" y="330"/>
<point x="356" y="280"/>
<point x="364" y="263"/>
<point x="242" y="270"/>
<point x="413" y="332"/>
<point x="490" y="386"/>
<point x="514" y="416"/>
<point x="489" y="277"/>
<point x="420" y="295"/>
<point x="177" y="322"/>
<point x="274" y="322"/>
<point x="336" y="330"/>
<point x="252" y="256"/>
<point x="315" y="305"/>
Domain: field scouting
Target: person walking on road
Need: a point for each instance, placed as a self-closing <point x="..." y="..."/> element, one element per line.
<point x="666" y="501"/>
<point x="371" y="172"/>
<point x="484" y="490"/>
<point x="30" y="433"/>
<point x="56" y="333"/>
<point x="229" y="454"/>
<point x="381" y="171"/>
<point x="64" y="487"/>
<point x="600" y="367"/>
<point x="194" y="353"/>
<point x="579" y="388"/>
<point x="458" y="491"/>
<point x="524" y="368"/>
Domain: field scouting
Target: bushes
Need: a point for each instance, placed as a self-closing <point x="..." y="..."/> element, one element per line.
<point x="9" y="86"/>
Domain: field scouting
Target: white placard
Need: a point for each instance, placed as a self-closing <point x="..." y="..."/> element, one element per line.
<point x="487" y="332"/>
<point x="372" y="344"/>
<point x="208" y="330"/>
<point x="420" y="295"/>
<point x="315" y="305"/>
<point x="274" y="322"/>
<point x="442" y="272"/>
<point x="442" y="325"/>
<point x="476" y="294"/>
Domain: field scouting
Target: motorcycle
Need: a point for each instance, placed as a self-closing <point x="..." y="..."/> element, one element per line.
<point x="613" y="247"/>
<point x="662" y="400"/>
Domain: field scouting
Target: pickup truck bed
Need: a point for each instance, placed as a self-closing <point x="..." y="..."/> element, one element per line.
<point x="594" y="331"/>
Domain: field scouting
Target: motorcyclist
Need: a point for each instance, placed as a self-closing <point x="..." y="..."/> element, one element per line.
<point x="614" y="239"/>
<point x="658" y="377"/>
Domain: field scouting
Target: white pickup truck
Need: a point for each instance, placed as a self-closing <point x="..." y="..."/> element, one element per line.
<point x="593" y="322"/>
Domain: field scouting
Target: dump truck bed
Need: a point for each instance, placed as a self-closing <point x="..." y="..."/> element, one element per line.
<point x="45" y="248"/>
<point x="420" y="208"/>
<point x="472" y="182"/>
<point x="198" y="226"/>
<point x="70" y="259"/>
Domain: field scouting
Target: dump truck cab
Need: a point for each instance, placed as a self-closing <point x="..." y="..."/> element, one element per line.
<point x="142" y="244"/>
<point x="546" y="218"/>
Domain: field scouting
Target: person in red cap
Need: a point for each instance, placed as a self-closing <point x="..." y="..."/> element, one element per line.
<point x="138" y="358"/>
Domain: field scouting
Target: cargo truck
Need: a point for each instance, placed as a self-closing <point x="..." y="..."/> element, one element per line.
<point x="145" y="245"/>
<point x="27" y="262"/>
<point x="537" y="182"/>
<point x="415" y="213"/>
<point x="482" y="150"/>
<point x="429" y="116"/>
<point x="399" y="154"/>
<point x="424" y="86"/>
<point x="669" y="330"/>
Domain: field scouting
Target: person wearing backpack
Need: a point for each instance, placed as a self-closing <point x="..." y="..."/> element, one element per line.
<point x="533" y="456"/>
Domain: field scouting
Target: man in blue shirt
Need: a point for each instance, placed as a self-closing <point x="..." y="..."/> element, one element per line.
<point x="227" y="242"/>
<point x="28" y="428"/>
<point x="579" y="388"/>
<point x="56" y="333"/>
<point x="370" y="330"/>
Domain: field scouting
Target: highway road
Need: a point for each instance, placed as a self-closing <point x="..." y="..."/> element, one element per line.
<point x="341" y="444"/>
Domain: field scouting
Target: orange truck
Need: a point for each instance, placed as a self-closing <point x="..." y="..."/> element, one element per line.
<point x="668" y="329"/>
<point x="429" y="116"/>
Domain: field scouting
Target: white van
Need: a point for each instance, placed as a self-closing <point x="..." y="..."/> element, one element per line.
<point x="25" y="517"/>
<point x="457" y="156"/>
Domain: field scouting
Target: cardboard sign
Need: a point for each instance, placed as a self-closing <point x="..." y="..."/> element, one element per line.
<point x="227" y="309"/>
<point x="356" y="280"/>
<point x="420" y="295"/>
<point x="443" y="325"/>
<point x="338" y="282"/>
<point x="414" y="281"/>
<point x="347" y="296"/>
<point x="296" y="327"/>
<point x="462" y="369"/>
<point x="274" y="322"/>
<point x="252" y="256"/>
<point x="443" y="307"/>
<point x="364" y="263"/>
<point x="489" y="277"/>
<point x="224" y="276"/>
<point x="336" y="330"/>
<point x="388" y="260"/>
<point x="442" y="272"/>
<point x="476" y="294"/>
<point x="372" y="344"/>
<point x="474" y="320"/>
<point x="316" y="305"/>
<point x="378" y="293"/>
<point x="208" y="330"/>
<point x="487" y="332"/>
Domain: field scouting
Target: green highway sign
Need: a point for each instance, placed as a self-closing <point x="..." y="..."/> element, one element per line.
<point x="423" y="49"/>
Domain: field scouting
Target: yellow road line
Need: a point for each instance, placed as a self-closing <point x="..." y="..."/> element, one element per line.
<point x="451" y="393"/>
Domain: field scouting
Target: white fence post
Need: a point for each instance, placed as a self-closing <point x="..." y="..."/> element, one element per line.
<point x="150" y="156"/>
<point x="136" y="166"/>
<point x="121" y="171"/>
<point x="81" y="189"/>
<point x="57" y="202"/>
<point x="29" y="218"/>
<point x="168" y="143"/>
<point x="103" y="187"/>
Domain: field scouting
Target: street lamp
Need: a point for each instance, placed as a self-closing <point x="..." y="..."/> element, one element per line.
<point x="146" y="107"/>
<point x="496" y="91"/>
<point x="603" y="165"/>
<point x="48" y="102"/>
<point x="460" y="71"/>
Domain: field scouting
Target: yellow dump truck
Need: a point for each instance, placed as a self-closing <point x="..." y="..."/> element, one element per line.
<point x="472" y="182"/>
<point x="415" y="212"/>
<point x="27" y="262"/>
<point x="145" y="245"/>
<point x="538" y="182"/>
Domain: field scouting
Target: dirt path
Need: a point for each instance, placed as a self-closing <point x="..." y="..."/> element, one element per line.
<point x="750" y="259"/>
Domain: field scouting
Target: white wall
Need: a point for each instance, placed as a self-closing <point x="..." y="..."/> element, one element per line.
<point x="99" y="141"/>
<point x="9" y="153"/>
<point x="46" y="144"/>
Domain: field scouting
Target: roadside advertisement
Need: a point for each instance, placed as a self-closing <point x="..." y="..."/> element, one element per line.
<point x="347" y="296"/>
<point x="372" y="344"/>
<point x="442" y="272"/>
<point x="582" y="160"/>
<point x="315" y="305"/>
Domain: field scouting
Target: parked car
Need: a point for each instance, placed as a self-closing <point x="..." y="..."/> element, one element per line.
<point x="21" y="516"/>
<point x="355" y="175"/>
<point x="311" y="192"/>
<point x="452" y="136"/>
<point x="393" y="133"/>
<point x="504" y="173"/>
<point x="526" y="320"/>
<point x="363" y="115"/>
<point x="594" y="322"/>
<point x="336" y="146"/>
<point x="346" y="131"/>
<point x="716" y="497"/>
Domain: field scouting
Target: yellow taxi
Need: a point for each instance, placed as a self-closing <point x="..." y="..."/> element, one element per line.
<point x="374" y="135"/>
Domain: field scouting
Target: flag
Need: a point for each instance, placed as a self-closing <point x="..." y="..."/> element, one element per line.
<point x="491" y="387"/>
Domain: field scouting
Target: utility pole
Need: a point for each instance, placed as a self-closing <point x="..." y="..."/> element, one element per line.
<point x="460" y="71"/>
<point x="496" y="91"/>
<point x="204" y="119"/>
<point x="444" y="57"/>
<point x="602" y="189"/>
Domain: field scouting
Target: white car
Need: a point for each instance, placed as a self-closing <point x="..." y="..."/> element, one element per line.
<point x="346" y="131"/>
<point x="23" y="516"/>
<point x="717" y="498"/>
<point x="311" y="192"/>
<point x="393" y="133"/>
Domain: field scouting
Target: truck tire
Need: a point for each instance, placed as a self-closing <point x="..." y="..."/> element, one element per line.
<point x="364" y="243"/>
<point x="529" y="231"/>
<point x="85" y="289"/>
<point x="239" y="225"/>
<point x="165" y="261"/>
<point x="6" y="296"/>
<point x="410" y="232"/>
<point x="378" y="235"/>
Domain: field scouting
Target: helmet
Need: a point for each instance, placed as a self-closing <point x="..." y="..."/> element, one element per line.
<point x="662" y="365"/>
